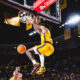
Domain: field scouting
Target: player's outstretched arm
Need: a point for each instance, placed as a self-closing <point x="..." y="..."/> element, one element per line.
<point x="39" y="28"/>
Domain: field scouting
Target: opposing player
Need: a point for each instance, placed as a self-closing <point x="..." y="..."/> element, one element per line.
<point x="44" y="49"/>
<point x="16" y="74"/>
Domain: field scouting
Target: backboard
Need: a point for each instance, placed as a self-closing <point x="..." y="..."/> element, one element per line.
<point x="51" y="14"/>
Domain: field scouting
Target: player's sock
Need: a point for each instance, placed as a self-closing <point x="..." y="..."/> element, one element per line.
<point x="34" y="62"/>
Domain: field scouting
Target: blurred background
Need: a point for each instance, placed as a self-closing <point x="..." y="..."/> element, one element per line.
<point x="64" y="64"/>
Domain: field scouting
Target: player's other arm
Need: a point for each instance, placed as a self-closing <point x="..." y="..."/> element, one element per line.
<point x="39" y="27"/>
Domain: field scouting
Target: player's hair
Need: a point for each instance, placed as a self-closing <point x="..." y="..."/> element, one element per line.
<point x="18" y="68"/>
<point x="44" y="24"/>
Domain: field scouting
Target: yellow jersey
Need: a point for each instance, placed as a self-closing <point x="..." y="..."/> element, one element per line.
<point x="46" y="37"/>
<point x="46" y="46"/>
<point x="12" y="78"/>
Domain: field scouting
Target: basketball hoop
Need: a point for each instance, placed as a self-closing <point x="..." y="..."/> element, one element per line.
<point x="24" y="16"/>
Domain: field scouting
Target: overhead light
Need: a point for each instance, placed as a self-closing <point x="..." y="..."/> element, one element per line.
<point x="60" y="26"/>
<point x="56" y="42"/>
<point x="73" y="20"/>
<point x="79" y="36"/>
<point x="32" y="33"/>
<point x="66" y="23"/>
<point x="15" y="47"/>
<point x="63" y="24"/>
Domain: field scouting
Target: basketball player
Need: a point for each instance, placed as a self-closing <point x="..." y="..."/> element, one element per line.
<point x="44" y="49"/>
<point x="16" y="74"/>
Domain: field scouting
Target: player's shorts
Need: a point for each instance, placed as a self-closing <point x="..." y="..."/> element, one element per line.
<point x="47" y="49"/>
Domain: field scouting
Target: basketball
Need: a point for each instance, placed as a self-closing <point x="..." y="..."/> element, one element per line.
<point x="21" y="49"/>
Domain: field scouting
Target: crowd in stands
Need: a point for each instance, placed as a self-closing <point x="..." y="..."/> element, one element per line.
<point x="67" y="69"/>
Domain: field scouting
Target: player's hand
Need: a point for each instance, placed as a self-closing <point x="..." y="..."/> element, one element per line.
<point x="29" y="20"/>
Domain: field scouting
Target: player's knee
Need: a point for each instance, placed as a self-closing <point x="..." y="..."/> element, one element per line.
<point x="27" y="52"/>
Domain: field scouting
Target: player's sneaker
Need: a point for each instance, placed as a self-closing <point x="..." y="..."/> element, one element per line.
<point x="41" y="70"/>
<point x="35" y="68"/>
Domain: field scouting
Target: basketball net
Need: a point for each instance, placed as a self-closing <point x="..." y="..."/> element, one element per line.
<point x="26" y="18"/>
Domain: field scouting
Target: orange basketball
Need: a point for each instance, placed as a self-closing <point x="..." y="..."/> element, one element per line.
<point x="21" y="49"/>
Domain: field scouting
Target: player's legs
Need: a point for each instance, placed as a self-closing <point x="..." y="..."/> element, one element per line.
<point x="41" y="56"/>
<point x="35" y="64"/>
<point x="46" y="50"/>
<point x="42" y="69"/>
<point x="42" y="59"/>
<point x="31" y="58"/>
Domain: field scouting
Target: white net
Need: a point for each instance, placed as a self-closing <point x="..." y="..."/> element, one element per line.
<point x="24" y="16"/>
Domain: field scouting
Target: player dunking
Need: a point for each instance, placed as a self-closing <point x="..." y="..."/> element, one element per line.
<point x="44" y="49"/>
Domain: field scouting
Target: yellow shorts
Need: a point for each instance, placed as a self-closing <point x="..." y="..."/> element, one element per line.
<point x="47" y="49"/>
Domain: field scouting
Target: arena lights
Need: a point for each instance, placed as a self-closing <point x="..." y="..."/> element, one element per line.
<point x="32" y="33"/>
<point x="12" y="21"/>
<point x="72" y="21"/>
<point x="78" y="36"/>
<point x="56" y="42"/>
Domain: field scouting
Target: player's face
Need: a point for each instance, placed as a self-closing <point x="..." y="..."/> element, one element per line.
<point x="17" y="69"/>
<point x="15" y="74"/>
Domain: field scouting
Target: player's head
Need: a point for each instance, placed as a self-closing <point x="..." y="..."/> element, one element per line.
<point x="44" y="24"/>
<point x="17" y="69"/>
